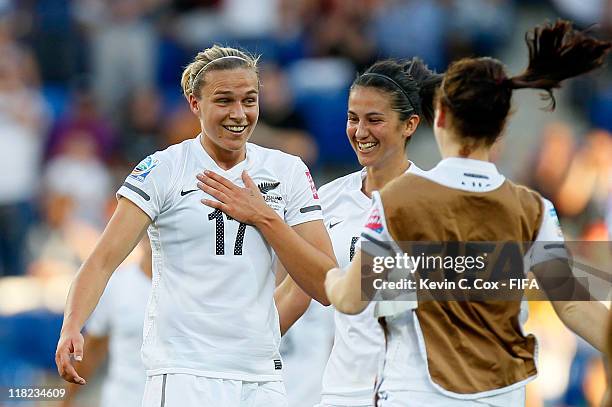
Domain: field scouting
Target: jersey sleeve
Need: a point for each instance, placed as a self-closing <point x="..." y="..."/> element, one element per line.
<point x="549" y="244"/>
<point x="147" y="185"/>
<point x="303" y="203"/>
<point x="323" y="193"/>
<point x="99" y="323"/>
<point x="376" y="240"/>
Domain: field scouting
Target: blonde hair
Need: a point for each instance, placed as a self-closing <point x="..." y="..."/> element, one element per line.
<point x="214" y="58"/>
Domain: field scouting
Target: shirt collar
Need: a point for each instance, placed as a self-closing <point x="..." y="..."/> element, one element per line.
<point x="466" y="174"/>
<point x="468" y="163"/>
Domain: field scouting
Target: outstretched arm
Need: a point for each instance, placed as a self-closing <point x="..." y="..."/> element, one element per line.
<point x="121" y="235"/>
<point x="586" y="319"/>
<point x="343" y="287"/>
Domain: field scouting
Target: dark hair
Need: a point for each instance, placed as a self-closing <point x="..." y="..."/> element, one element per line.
<point x="478" y="92"/>
<point x="410" y="83"/>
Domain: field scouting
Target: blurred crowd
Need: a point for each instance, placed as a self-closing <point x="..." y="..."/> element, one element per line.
<point x="88" y="88"/>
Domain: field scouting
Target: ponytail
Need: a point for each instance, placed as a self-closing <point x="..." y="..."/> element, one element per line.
<point x="478" y="92"/>
<point x="558" y="52"/>
<point x="428" y="82"/>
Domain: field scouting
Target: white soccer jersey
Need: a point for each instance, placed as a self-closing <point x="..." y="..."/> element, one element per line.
<point x="211" y="311"/>
<point x="359" y="340"/>
<point x="120" y="315"/>
<point x="405" y="368"/>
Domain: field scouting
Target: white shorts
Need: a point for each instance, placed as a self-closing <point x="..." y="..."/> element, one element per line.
<point x="183" y="390"/>
<point x="513" y="398"/>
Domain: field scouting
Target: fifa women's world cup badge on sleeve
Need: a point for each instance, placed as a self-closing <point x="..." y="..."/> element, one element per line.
<point x="144" y="168"/>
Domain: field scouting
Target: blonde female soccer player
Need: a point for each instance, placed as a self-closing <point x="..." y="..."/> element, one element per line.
<point x="472" y="353"/>
<point x="211" y="330"/>
<point x="386" y="105"/>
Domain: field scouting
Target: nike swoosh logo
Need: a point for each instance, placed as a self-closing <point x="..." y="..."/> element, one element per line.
<point x="331" y="225"/>
<point x="183" y="193"/>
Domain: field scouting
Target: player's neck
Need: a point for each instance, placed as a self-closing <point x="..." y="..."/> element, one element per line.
<point x="226" y="159"/>
<point x="378" y="176"/>
<point x="464" y="147"/>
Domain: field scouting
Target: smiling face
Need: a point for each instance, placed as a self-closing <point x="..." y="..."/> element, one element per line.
<point x="228" y="108"/>
<point x="374" y="129"/>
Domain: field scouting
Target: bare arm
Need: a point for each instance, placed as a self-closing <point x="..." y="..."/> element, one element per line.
<point x="121" y="235"/>
<point x="305" y="250"/>
<point x="343" y="287"/>
<point x="586" y="319"/>
<point x="97" y="349"/>
<point x="291" y="302"/>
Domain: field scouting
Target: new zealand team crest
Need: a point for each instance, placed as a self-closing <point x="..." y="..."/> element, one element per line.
<point x="143" y="169"/>
<point x="271" y="194"/>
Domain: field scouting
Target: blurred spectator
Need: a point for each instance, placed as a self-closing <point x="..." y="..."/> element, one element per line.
<point x="49" y="253"/>
<point x="10" y="18"/>
<point x="197" y="22"/>
<point x="123" y="47"/>
<point x="479" y="27"/>
<point x="585" y="189"/>
<point x="60" y="243"/>
<point x="262" y="18"/>
<point x="180" y="124"/>
<point x="55" y="38"/>
<point x="576" y="180"/>
<point x="83" y="115"/>
<point x="552" y="160"/>
<point x="280" y="125"/>
<point x="341" y="29"/>
<point x="290" y="34"/>
<point x="23" y="121"/>
<point x="78" y="173"/>
<point x="405" y="28"/>
<point x="141" y="127"/>
<point x="585" y="12"/>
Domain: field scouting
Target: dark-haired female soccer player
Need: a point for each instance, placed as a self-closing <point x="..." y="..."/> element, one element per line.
<point x="472" y="353"/>
<point x="386" y="104"/>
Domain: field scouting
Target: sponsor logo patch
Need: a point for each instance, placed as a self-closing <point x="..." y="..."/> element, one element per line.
<point x="143" y="169"/>
<point x="315" y="195"/>
<point x="374" y="222"/>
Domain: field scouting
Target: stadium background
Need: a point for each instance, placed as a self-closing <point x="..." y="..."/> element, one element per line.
<point x="88" y="88"/>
